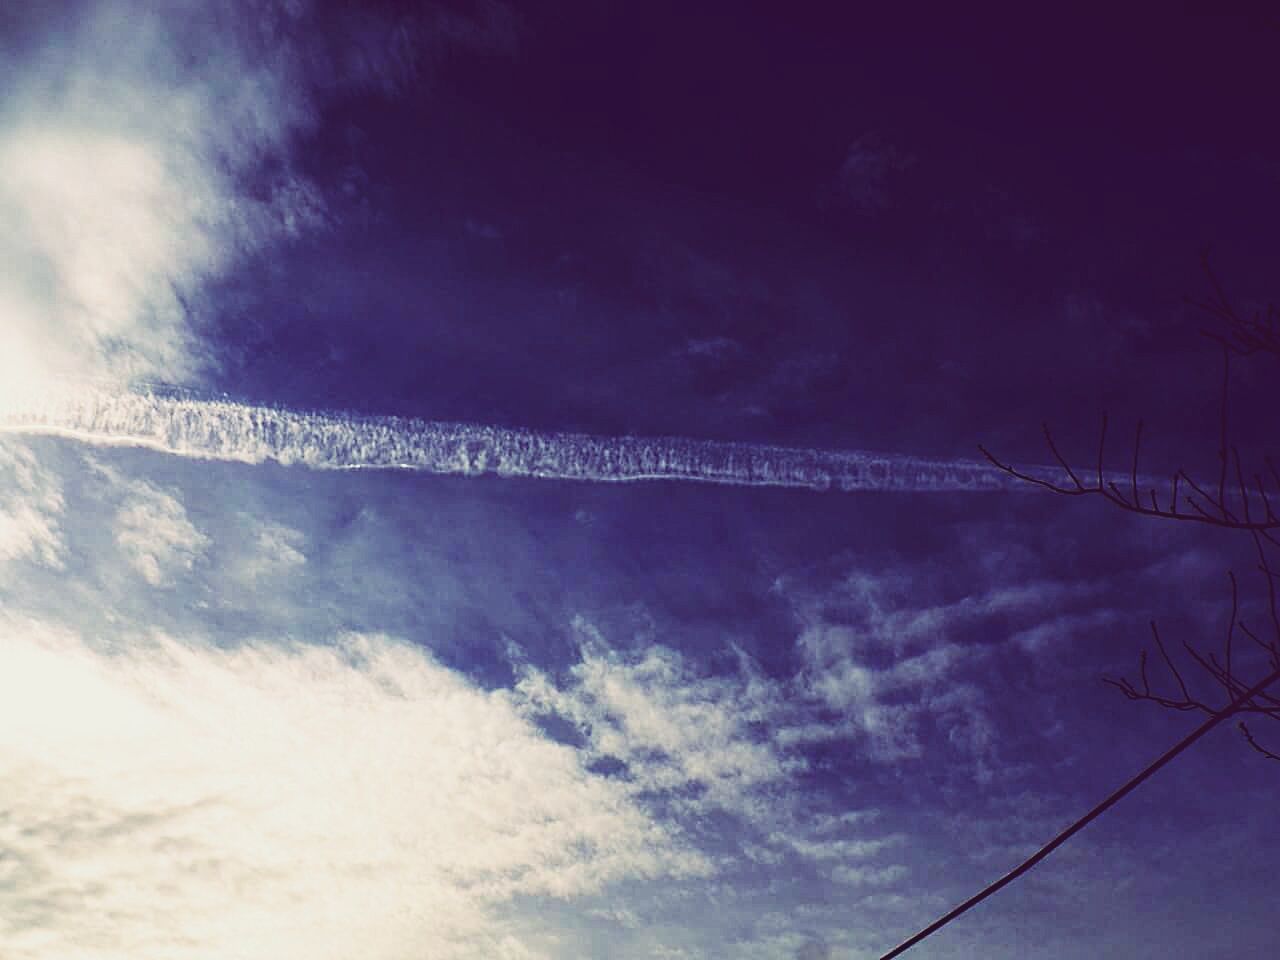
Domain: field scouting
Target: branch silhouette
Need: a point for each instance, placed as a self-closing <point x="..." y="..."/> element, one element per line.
<point x="1238" y="501"/>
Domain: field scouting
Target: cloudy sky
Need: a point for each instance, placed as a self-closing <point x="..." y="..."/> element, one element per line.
<point x="490" y="481"/>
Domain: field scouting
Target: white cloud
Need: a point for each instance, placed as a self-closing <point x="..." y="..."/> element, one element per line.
<point x="678" y="734"/>
<point x="621" y="916"/>
<point x="829" y="823"/>
<point x="146" y="147"/>
<point x="226" y="430"/>
<point x="829" y="846"/>
<point x="172" y="799"/>
<point x="879" y="651"/>
<point x="30" y="508"/>
<point x="126" y="145"/>
<point x="277" y="549"/>
<point x="152" y="530"/>
<point x="838" y="849"/>
<point x="869" y="876"/>
<point x="1055" y="635"/>
<point x="883" y="702"/>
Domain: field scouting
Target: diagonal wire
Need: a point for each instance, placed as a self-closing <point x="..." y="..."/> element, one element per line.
<point x="1093" y="814"/>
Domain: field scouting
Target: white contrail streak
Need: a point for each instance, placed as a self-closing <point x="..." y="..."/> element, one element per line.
<point x="224" y="430"/>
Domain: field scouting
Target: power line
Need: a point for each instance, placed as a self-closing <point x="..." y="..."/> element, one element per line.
<point x="1093" y="814"/>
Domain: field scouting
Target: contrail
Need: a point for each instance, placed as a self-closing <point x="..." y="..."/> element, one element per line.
<point x="181" y="424"/>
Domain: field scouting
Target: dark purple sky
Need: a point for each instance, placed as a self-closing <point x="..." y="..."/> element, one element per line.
<point x="869" y="230"/>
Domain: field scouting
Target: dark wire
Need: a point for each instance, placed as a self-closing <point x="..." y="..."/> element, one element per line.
<point x="1093" y="814"/>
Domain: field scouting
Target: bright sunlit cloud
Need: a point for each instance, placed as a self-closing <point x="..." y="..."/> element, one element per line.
<point x="173" y="799"/>
<point x="127" y="151"/>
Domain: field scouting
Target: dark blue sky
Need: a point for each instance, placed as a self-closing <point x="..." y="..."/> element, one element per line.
<point x="849" y="230"/>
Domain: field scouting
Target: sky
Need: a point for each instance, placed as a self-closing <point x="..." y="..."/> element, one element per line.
<point x="490" y="480"/>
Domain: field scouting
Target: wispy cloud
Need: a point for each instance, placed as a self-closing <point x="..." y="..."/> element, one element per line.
<point x="31" y="508"/>
<point x="176" y="799"/>
<point x="145" y="149"/>
<point x="897" y="663"/>
<point x="151" y="528"/>
<point x="279" y="549"/>
<point x="698" y="742"/>
<point x="134" y="153"/>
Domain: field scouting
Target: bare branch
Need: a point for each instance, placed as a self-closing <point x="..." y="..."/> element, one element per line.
<point x="1048" y="438"/>
<point x="1254" y="743"/>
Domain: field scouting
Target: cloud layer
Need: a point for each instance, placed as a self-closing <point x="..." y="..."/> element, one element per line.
<point x="176" y="799"/>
